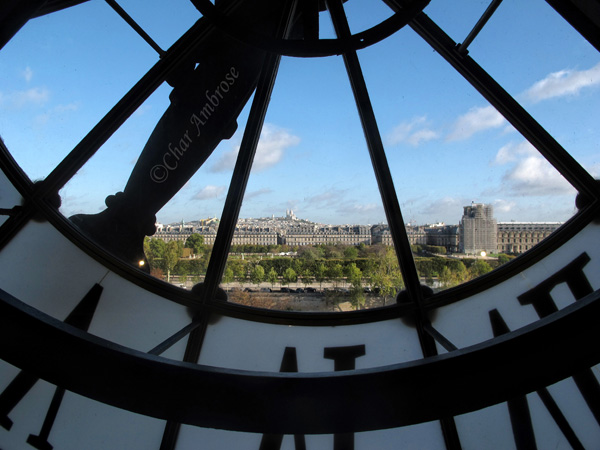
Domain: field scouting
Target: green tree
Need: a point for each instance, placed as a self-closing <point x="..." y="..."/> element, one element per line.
<point x="321" y="274"/>
<point x="228" y="276"/>
<point x="239" y="272"/>
<point x="272" y="277"/>
<point x="383" y="283"/>
<point x="354" y="275"/>
<point x="453" y="274"/>
<point x="479" y="267"/>
<point x="446" y="278"/>
<point x="289" y="276"/>
<point x="183" y="279"/>
<point x="385" y="274"/>
<point x="306" y="276"/>
<point x="357" y="294"/>
<point x="308" y="254"/>
<point x="335" y="273"/>
<point x="503" y="258"/>
<point x="196" y="242"/>
<point x="357" y="297"/>
<point x="332" y="252"/>
<point x="350" y="253"/>
<point x="461" y="273"/>
<point x="147" y="252"/>
<point x="258" y="274"/>
<point x="156" y="249"/>
<point x="173" y="252"/>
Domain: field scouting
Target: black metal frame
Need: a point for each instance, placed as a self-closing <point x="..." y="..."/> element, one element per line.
<point x="312" y="47"/>
<point x="36" y="196"/>
<point x="290" y="403"/>
<point x="436" y="388"/>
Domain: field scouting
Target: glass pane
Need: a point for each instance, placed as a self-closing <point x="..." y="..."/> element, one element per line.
<point x="9" y="196"/>
<point x="358" y="20"/>
<point x="57" y="88"/>
<point x="468" y="321"/>
<point x="555" y="74"/>
<point x="460" y="170"/>
<point x="312" y="198"/>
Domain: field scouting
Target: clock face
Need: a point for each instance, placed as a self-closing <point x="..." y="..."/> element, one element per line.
<point x="353" y="112"/>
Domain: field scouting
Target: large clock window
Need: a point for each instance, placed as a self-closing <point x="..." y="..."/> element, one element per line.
<point x="305" y="224"/>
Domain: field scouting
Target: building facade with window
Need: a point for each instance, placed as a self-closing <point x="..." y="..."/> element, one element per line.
<point x="518" y="237"/>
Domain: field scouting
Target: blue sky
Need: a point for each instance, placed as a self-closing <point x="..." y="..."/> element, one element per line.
<point x="446" y="146"/>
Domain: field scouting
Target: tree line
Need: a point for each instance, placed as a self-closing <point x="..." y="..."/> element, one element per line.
<point x="353" y="267"/>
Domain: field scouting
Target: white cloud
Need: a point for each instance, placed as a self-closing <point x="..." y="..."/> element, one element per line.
<point x="529" y="173"/>
<point x="27" y="74"/>
<point x="226" y="162"/>
<point x="563" y="82"/>
<point x="359" y="213"/>
<point x="210" y="192"/>
<point x="511" y="152"/>
<point x="142" y="109"/>
<point x="257" y="193"/>
<point x="37" y="96"/>
<point x="328" y="199"/>
<point x="438" y="209"/>
<point x="475" y="120"/>
<point x="361" y="208"/>
<point x="413" y="132"/>
<point x="44" y="118"/>
<point x="503" y="206"/>
<point x="421" y="136"/>
<point x="271" y="147"/>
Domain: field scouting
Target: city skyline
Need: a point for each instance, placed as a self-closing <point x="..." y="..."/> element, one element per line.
<point x="445" y="145"/>
<point x="308" y="220"/>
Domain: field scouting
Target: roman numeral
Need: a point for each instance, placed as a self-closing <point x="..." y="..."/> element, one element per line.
<point x="344" y="359"/>
<point x="541" y="300"/>
<point x="80" y="317"/>
<point x="518" y="408"/>
<point x="289" y="363"/>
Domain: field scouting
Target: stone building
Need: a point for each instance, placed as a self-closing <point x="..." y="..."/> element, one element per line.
<point x="478" y="229"/>
<point x="436" y="234"/>
<point x="317" y="234"/>
<point x="444" y="236"/>
<point x="380" y="234"/>
<point x="518" y="237"/>
<point x="253" y="235"/>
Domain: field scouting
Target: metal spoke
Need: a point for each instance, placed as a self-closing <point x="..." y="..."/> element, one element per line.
<point x="439" y="337"/>
<point x="89" y="145"/>
<point x="479" y="25"/>
<point x="133" y="24"/>
<point x="241" y="172"/>
<point x="583" y="16"/>
<point x="15" y="15"/>
<point x="390" y="202"/>
<point x="310" y="19"/>
<point x="229" y="217"/>
<point x="378" y="158"/>
<point x="173" y="339"/>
